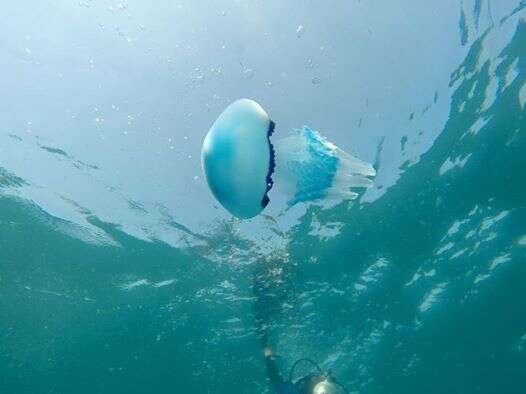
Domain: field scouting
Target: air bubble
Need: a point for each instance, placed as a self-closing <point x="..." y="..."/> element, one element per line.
<point x="299" y="31"/>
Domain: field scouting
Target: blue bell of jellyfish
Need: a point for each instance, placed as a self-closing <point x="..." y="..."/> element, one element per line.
<point x="240" y="162"/>
<point x="237" y="158"/>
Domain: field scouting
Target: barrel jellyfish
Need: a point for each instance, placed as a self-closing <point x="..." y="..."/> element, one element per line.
<point x="241" y="163"/>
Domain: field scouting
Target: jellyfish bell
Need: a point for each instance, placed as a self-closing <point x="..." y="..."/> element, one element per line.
<point x="240" y="162"/>
<point x="237" y="158"/>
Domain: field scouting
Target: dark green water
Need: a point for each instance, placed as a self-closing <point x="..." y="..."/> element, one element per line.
<point x="420" y="287"/>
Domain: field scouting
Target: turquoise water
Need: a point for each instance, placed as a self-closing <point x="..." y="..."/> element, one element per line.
<point x="119" y="273"/>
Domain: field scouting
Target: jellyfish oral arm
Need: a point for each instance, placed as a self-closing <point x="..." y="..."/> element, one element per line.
<point x="309" y="167"/>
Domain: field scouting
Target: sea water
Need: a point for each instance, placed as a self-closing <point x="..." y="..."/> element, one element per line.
<point x="119" y="273"/>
